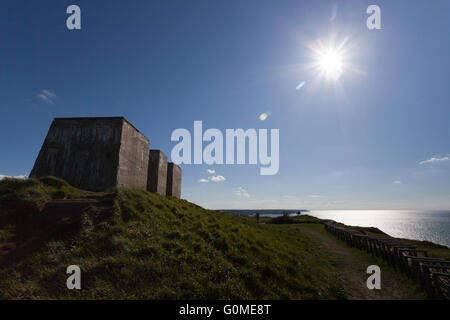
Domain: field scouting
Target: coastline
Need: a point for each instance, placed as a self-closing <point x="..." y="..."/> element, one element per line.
<point x="435" y="249"/>
<point x="429" y="226"/>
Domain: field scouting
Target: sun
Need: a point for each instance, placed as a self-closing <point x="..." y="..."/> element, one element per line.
<point x="330" y="61"/>
<point x="331" y="64"/>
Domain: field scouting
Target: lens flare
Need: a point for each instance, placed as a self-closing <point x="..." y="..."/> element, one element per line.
<point x="301" y="85"/>
<point x="263" y="116"/>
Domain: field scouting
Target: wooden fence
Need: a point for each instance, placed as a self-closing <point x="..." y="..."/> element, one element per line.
<point x="433" y="274"/>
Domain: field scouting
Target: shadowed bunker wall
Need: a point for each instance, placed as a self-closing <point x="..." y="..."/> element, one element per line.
<point x="173" y="180"/>
<point x="157" y="172"/>
<point x="94" y="153"/>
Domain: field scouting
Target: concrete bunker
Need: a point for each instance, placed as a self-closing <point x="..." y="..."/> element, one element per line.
<point x="102" y="152"/>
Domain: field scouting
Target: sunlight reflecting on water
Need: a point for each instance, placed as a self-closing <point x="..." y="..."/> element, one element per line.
<point x="420" y="225"/>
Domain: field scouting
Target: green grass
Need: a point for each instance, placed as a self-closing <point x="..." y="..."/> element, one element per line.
<point x="139" y="245"/>
<point x="35" y="192"/>
<point x="354" y="263"/>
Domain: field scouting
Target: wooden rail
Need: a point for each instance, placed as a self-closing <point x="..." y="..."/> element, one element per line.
<point x="432" y="274"/>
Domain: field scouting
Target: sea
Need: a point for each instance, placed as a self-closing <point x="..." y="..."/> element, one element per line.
<point x="432" y="226"/>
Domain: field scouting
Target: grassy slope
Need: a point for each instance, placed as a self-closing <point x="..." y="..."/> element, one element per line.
<point x="141" y="245"/>
<point x="352" y="264"/>
<point x="36" y="192"/>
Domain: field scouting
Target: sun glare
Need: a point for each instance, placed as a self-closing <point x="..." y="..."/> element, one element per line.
<point x="330" y="64"/>
<point x="330" y="61"/>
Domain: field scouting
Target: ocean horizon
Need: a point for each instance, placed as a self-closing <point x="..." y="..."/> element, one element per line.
<point x="424" y="225"/>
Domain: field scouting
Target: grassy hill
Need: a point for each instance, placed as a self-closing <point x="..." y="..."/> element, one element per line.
<point x="132" y="244"/>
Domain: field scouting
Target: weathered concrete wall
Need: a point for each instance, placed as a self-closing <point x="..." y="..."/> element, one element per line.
<point x="133" y="158"/>
<point x="82" y="151"/>
<point x="99" y="153"/>
<point x="157" y="172"/>
<point x="173" y="180"/>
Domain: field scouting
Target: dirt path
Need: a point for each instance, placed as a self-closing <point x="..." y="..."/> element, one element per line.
<point x="351" y="265"/>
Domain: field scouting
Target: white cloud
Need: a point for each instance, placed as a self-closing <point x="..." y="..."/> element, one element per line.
<point x="241" y="192"/>
<point x="42" y="97"/>
<point x="315" y="196"/>
<point x="49" y="94"/>
<point x="397" y="182"/>
<point x="213" y="178"/>
<point x="15" y="177"/>
<point x="46" y="96"/>
<point x="435" y="160"/>
<point x="217" y="178"/>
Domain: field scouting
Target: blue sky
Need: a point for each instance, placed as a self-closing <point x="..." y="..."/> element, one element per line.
<point x="378" y="138"/>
